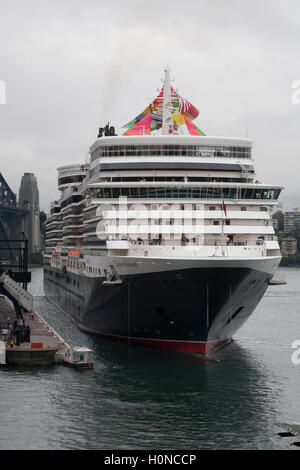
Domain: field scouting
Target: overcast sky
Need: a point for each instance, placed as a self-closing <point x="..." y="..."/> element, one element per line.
<point x="71" y="65"/>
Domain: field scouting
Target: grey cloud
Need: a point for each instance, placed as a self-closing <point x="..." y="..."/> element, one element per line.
<point x="69" y="65"/>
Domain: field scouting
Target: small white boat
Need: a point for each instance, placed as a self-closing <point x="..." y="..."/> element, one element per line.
<point x="79" y="357"/>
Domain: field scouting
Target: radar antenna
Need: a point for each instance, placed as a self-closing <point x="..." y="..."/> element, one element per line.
<point x="167" y="105"/>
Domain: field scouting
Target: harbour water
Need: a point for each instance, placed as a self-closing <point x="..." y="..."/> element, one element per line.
<point x="143" y="398"/>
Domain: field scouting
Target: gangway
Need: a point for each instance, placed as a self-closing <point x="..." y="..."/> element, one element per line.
<point x="16" y="292"/>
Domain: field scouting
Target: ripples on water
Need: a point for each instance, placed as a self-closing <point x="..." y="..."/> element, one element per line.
<point x="144" y="398"/>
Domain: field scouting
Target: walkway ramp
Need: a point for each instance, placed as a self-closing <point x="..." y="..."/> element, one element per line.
<point x="21" y="295"/>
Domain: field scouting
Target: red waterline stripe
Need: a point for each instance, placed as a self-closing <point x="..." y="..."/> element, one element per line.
<point x="202" y="347"/>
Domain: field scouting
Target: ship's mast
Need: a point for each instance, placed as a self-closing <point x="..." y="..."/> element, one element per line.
<point x="167" y="113"/>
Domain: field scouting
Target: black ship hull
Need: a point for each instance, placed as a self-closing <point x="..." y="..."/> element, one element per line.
<point x="193" y="310"/>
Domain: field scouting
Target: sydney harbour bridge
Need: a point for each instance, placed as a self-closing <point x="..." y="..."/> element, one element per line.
<point x="11" y="225"/>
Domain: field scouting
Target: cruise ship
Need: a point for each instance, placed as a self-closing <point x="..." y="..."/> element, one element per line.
<point x="164" y="236"/>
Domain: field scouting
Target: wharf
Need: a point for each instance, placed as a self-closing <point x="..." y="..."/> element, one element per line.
<point x="39" y="349"/>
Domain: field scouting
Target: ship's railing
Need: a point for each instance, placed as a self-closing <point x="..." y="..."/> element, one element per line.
<point x="174" y="190"/>
<point x="194" y="242"/>
<point x="191" y="250"/>
<point x="171" y="150"/>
